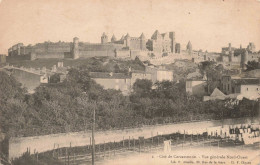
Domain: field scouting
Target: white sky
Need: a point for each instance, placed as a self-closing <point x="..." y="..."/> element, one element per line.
<point x="208" y="24"/>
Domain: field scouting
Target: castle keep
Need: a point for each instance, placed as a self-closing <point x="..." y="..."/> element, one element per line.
<point x="125" y="47"/>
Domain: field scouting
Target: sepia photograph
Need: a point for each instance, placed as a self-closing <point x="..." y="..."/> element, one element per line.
<point x="129" y="82"/>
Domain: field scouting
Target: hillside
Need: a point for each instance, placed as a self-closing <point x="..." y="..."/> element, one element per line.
<point x="100" y="64"/>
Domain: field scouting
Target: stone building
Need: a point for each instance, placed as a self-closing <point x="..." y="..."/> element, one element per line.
<point x="232" y="85"/>
<point x="162" y="42"/>
<point x="119" y="81"/>
<point x="159" y="73"/>
<point x="196" y="87"/>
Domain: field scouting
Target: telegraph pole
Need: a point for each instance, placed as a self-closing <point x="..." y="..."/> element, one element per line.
<point x="93" y="137"/>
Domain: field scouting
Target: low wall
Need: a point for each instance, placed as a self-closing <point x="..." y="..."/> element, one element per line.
<point x="19" y="145"/>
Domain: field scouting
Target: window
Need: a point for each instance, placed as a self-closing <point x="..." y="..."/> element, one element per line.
<point x="228" y="87"/>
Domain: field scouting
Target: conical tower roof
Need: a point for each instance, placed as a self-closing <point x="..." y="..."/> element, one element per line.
<point x="104" y="35"/>
<point x="189" y="46"/>
<point x="127" y="36"/>
<point x="142" y="36"/>
<point x="113" y="38"/>
<point x="156" y="35"/>
<point x="122" y="38"/>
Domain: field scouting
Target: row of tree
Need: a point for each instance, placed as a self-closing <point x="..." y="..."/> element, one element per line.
<point x="68" y="106"/>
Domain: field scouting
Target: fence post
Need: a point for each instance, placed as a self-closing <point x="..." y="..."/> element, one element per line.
<point x="123" y="143"/>
<point x="144" y="144"/>
<point x="191" y="139"/>
<point x="129" y="143"/>
<point x="197" y="138"/>
<point x="66" y="153"/>
<point x="203" y="141"/>
<point x="134" y="144"/>
<point x="139" y="146"/>
<point x="184" y="136"/>
<point x="114" y="148"/>
<point x="53" y="150"/>
<point x="109" y="151"/>
<point x="69" y="157"/>
<point x="74" y="158"/>
<point x="58" y="151"/>
<point x="104" y="149"/>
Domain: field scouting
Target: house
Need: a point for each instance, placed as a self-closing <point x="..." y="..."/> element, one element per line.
<point x="139" y="75"/>
<point x="250" y="91"/>
<point x="117" y="81"/>
<point x="231" y="84"/>
<point x="196" y="87"/>
<point x="159" y="73"/>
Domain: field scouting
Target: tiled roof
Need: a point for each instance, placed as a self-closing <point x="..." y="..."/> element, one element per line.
<point x="108" y="75"/>
<point x="245" y="81"/>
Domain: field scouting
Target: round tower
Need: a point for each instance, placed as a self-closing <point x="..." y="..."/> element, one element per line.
<point x="172" y="37"/>
<point x="244" y="59"/>
<point x="75" y="48"/>
<point x="127" y="40"/>
<point x="142" y="42"/>
<point x="189" y="48"/>
<point x="104" y="38"/>
<point x="231" y="55"/>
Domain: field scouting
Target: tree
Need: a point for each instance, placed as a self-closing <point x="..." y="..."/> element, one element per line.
<point x="213" y="74"/>
<point x="55" y="78"/>
<point x="251" y="65"/>
<point x="142" y="87"/>
<point x="116" y="68"/>
<point x="10" y="87"/>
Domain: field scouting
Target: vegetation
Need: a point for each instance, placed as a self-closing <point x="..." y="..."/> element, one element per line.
<point x="97" y="64"/>
<point x="213" y="74"/>
<point x="27" y="158"/>
<point x="251" y="65"/>
<point x="68" y="106"/>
